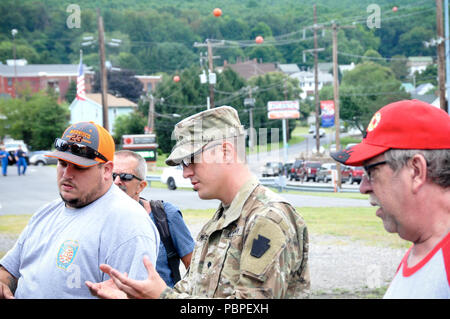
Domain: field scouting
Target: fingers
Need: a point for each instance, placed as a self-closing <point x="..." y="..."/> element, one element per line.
<point x="149" y="266"/>
<point x="125" y="284"/>
<point x="106" y="268"/>
<point x="93" y="288"/>
<point x="5" y="292"/>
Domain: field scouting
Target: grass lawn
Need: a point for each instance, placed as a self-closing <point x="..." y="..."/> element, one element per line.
<point x="354" y="223"/>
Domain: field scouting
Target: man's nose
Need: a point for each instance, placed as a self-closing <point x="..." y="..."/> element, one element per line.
<point x="365" y="187"/>
<point x="188" y="170"/>
<point x="117" y="180"/>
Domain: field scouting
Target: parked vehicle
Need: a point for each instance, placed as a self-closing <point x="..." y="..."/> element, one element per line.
<point x="309" y="170"/>
<point x="173" y="177"/>
<point x="325" y="172"/>
<point x="321" y="133"/>
<point x="352" y="174"/>
<point x="272" y="169"/>
<point x="295" y="170"/>
<point x="287" y="168"/>
<point x="38" y="158"/>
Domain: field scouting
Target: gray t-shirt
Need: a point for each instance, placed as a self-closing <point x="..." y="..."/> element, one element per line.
<point x="61" y="248"/>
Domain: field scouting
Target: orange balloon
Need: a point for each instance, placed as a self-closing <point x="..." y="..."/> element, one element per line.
<point x="259" y="39"/>
<point x="176" y="78"/>
<point x="217" y="12"/>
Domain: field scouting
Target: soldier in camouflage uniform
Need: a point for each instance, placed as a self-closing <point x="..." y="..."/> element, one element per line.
<point x="255" y="245"/>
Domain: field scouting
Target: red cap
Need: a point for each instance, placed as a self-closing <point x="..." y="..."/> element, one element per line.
<point x="407" y="124"/>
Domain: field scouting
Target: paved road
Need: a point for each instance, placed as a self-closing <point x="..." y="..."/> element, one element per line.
<point x="25" y="194"/>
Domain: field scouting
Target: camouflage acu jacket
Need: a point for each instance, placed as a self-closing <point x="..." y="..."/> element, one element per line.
<point x="257" y="248"/>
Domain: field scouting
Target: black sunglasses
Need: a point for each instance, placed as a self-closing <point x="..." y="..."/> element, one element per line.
<point x="125" y="177"/>
<point x="78" y="149"/>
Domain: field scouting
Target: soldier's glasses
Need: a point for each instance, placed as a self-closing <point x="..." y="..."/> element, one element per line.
<point x="192" y="159"/>
<point x="77" y="149"/>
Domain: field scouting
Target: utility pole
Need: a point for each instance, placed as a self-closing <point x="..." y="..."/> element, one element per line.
<point x="316" y="79"/>
<point x="336" y="101"/>
<point x="104" y="83"/>
<point x="14" y="32"/>
<point x="211" y="75"/>
<point x="316" y="82"/>
<point x="250" y="102"/>
<point x="151" y="114"/>
<point x="441" y="54"/>
<point x="337" y="125"/>
<point x="210" y="66"/>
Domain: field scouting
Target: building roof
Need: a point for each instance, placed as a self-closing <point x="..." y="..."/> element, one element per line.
<point x="304" y="76"/>
<point x="288" y="68"/>
<point x="113" y="101"/>
<point x="251" y="68"/>
<point x="32" y="70"/>
<point x="420" y="59"/>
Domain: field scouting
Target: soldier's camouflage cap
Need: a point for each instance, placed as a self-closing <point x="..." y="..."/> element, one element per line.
<point x="196" y="131"/>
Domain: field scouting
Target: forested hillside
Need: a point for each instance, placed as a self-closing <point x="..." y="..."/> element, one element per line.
<point x="159" y="36"/>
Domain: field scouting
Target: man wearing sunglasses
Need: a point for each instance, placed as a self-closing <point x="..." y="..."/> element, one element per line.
<point x="94" y="222"/>
<point x="254" y="246"/>
<point x="406" y="156"/>
<point x="130" y="170"/>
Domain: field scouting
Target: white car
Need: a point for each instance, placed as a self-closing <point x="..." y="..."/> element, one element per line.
<point x="173" y="177"/>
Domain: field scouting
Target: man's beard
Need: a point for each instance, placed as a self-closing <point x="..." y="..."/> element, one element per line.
<point x="78" y="202"/>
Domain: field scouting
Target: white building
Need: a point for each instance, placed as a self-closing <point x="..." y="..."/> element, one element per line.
<point x="91" y="109"/>
<point x="418" y="63"/>
<point x="306" y="79"/>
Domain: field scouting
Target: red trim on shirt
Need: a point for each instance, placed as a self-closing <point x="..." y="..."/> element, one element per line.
<point x="446" y="254"/>
<point x="444" y="244"/>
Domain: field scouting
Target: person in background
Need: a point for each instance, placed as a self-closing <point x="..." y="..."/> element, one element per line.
<point x="4" y="156"/>
<point x="21" y="160"/>
<point x="130" y="170"/>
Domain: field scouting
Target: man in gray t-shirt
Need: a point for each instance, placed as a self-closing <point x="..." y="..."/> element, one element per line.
<point x="93" y="223"/>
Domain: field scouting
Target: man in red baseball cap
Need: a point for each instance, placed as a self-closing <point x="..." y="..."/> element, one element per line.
<point x="406" y="156"/>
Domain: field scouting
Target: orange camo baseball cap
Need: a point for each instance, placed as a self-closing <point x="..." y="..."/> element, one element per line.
<point x="406" y="124"/>
<point x="89" y="134"/>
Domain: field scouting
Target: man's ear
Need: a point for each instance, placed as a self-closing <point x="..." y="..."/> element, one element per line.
<point x="229" y="152"/>
<point x="418" y="171"/>
<point x="142" y="185"/>
<point x="108" y="169"/>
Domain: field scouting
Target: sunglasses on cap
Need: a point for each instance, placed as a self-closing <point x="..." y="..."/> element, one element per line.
<point x="78" y="149"/>
<point x="125" y="177"/>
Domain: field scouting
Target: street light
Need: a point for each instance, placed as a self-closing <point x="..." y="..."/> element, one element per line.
<point x="14" y="32"/>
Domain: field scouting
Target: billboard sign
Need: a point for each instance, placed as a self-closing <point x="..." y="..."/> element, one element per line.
<point x="327" y="114"/>
<point x="283" y="110"/>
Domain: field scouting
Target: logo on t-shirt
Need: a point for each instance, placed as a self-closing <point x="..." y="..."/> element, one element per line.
<point x="66" y="253"/>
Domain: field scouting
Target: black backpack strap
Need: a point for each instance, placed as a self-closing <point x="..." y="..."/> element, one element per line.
<point x="164" y="233"/>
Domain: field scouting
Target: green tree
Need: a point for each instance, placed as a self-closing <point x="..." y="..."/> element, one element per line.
<point x="132" y="123"/>
<point x="121" y="83"/>
<point x="71" y="92"/>
<point x="35" y="118"/>
<point x="364" y="90"/>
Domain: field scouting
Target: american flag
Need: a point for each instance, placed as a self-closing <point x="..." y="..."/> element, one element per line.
<point x="81" y="93"/>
